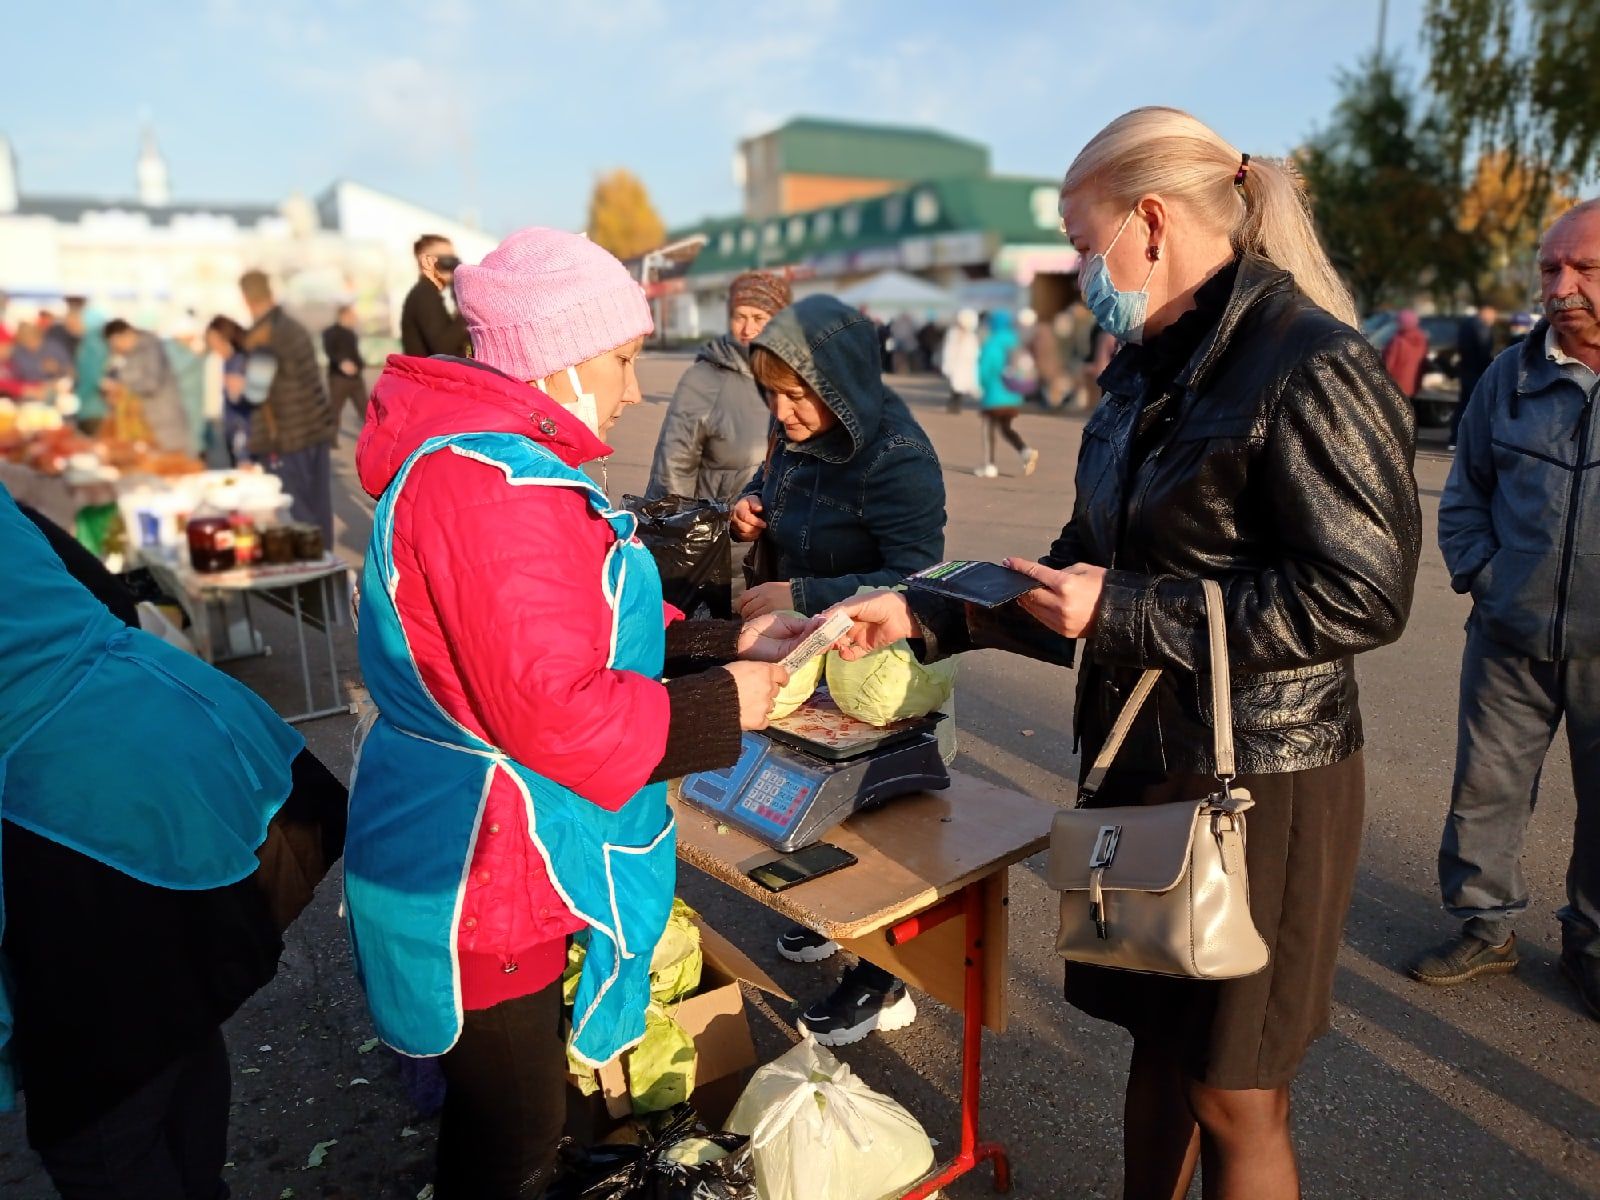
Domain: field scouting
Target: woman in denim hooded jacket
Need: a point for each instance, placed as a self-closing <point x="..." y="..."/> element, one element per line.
<point x="851" y="494"/>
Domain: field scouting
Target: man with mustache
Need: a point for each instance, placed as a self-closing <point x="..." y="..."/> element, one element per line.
<point x="1519" y="525"/>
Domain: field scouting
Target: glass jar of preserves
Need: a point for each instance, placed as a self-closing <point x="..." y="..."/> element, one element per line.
<point x="277" y="545"/>
<point x="210" y="543"/>
<point x="246" y="540"/>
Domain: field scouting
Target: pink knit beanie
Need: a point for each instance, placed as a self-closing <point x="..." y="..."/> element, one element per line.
<point x="545" y="299"/>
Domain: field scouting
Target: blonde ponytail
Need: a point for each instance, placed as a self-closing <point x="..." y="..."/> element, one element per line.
<point x="1277" y="225"/>
<point x="1167" y="152"/>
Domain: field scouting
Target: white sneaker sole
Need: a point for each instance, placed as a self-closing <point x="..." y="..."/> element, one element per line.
<point x="811" y="954"/>
<point x="897" y="1016"/>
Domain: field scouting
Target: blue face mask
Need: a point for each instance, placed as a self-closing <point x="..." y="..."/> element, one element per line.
<point x="1121" y="314"/>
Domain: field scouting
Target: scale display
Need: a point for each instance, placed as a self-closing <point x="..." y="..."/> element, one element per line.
<point x="761" y="792"/>
<point x="788" y="798"/>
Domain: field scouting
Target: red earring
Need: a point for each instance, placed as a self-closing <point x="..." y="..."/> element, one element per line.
<point x="1153" y="253"/>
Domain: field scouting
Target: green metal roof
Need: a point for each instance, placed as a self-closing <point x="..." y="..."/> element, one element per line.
<point x="1010" y="210"/>
<point x="810" y="146"/>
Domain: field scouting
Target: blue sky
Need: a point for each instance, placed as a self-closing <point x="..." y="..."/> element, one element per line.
<point x="511" y="107"/>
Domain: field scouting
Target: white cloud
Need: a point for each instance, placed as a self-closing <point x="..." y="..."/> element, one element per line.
<point x="597" y="18"/>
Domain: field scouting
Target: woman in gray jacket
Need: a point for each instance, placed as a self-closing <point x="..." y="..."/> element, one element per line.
<point x="715" y="433"/>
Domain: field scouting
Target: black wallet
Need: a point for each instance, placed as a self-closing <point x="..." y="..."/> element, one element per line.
<point x="986" y="584"/>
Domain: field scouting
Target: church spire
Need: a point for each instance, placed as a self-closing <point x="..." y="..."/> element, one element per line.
<point x="154" y="188"/>
<point x="8" y="176"/>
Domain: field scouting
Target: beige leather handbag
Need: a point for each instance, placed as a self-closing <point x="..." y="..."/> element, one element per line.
<point x="1161" y="888"/>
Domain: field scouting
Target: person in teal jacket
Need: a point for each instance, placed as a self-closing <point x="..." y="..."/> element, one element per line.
<point x="189" y="366"/>
<point x="137" y="786"/>
<point x="1000" y="402"/>
<point x="89" y="365"/>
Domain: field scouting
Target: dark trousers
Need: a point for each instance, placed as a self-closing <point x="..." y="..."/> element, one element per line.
<point x="998" y="420"/>
<point x="308" y="479"/>
<point x="505" y="1101"/>
<point x="166" y="1141"/>
<point x="351" y="390"/>
<point x="236" y="434"/>
<point x="1511" y="707"/>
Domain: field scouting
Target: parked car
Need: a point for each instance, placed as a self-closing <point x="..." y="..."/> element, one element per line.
<point x="1440" y="388"/>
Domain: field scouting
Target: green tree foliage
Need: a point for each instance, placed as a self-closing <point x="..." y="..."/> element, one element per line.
<point x="621" y="217"/>
<point x="1386" y="190"/>
<point x="1519" y="77"/>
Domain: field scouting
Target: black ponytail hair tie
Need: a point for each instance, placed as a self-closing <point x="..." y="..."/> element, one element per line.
<point x="1244" y="169"/>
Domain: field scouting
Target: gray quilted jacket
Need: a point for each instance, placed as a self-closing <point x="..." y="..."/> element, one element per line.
<point x="715" y="433"/>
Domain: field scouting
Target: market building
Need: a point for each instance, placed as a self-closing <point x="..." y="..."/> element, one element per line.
<point x="152" y="258"/>
<point x="835" y="203"/>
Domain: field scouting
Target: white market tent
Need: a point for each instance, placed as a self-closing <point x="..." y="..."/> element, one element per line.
<point x="890" y="292"/>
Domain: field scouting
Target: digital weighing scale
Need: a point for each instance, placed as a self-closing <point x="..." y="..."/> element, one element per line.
<point x="789" y="789"/>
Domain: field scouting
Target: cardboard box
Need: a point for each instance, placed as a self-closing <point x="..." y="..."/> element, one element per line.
<point x="725" y="1054"/>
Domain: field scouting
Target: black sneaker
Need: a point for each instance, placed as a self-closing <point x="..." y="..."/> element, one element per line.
<point x="799" y="944"/>
<point x="1584" y="971"/>
<point x="1465" y="957"/>
<point x="855" y="1010"/>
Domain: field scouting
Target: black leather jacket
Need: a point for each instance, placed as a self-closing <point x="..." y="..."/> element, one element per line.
<point x="1284" y="473"/>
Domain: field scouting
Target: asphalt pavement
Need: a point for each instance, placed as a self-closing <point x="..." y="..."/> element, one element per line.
<point x="1489" y="1091"/>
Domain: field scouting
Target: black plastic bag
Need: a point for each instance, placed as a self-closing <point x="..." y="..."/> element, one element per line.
<point x="627" y="1172"/>
<point x="690" y="543"/>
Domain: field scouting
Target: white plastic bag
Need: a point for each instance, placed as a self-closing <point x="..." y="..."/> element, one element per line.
<point x="819" y="1133"/>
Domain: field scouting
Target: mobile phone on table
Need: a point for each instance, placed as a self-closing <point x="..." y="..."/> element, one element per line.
<point x="799" y="866"/>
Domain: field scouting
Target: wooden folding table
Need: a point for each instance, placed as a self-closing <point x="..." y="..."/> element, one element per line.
<point x="923" y="860"/>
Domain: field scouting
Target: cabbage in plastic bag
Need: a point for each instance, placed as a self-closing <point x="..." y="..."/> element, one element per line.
<point x="818" y="1133"/>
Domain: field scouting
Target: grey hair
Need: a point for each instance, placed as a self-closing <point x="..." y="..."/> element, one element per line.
<point x="1583" y="208"/>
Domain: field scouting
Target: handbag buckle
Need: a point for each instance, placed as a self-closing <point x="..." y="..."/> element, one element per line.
<point x="1105" y="846"/>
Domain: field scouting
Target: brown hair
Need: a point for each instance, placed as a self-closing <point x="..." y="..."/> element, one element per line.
<point x="230" y="331"/>
<point x="255" y="286"/>
<point x="773" y="373"/>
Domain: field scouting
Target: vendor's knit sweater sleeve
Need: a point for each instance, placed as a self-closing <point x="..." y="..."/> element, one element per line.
<point x="700" y="735"/>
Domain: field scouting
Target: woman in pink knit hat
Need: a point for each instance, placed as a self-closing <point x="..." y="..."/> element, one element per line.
<point x="509" y="796"/>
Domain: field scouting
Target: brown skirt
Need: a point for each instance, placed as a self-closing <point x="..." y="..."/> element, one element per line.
<point x="1303" y="840"/>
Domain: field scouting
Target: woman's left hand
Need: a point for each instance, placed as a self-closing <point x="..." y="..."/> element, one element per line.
<point x="1067" y="600"/>
<point x="770" y="637"/>
<point x="766" y="598"/>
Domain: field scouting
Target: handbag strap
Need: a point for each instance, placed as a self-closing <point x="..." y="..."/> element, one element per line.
<point x="1221" y="682"/>
<point x="1221" y="703"/>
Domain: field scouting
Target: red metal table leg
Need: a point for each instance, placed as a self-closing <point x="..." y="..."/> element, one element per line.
<point x="973" y="1153"/>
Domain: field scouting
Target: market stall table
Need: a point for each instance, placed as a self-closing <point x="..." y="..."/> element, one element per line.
<point x="57" y="496"/>
<point x="922" y="860"/>
<point x="312" y="593"/>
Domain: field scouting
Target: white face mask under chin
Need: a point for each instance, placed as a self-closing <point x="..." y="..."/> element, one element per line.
<point x="585" y="408"/>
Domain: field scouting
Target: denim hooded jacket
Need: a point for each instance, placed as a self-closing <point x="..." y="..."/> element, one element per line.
<point x="861" y="505"/>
